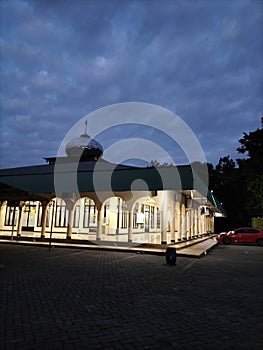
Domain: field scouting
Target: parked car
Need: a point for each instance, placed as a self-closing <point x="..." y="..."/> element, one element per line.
<point x="242" y="235"/>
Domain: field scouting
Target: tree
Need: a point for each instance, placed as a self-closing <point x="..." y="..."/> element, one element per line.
<point x="239" y="186"/>
<point x="252" y="169"/>
<point x="227" y="185"/>
<point x="252" y="144"/>
<point x="156" y="164"/>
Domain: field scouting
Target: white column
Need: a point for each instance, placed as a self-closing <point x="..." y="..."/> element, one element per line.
<point x="130" y="224"/>
<point x="205" y="223"/>
<point x="195" y="223"/>
<point x="2" y="214"/>
<point x="187" y="224"/>
<point x="172" y="226"/>
<point x="177" y="222"/>
<point x="99" y="224"/>
<point x="191" y="223"/>
<point x="20" y="218"/>
<point x="198" y="222"/>
<point x="70" y="223"/>
<point x="44" y="219"/>
<point x="183" y="222"/>
<point x="163" y="228"/>
<point x="70" y="207"/>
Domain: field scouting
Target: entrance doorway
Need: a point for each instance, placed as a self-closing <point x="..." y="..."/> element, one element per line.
<point x="147" y="218"/>
<point x="29" y="216"/>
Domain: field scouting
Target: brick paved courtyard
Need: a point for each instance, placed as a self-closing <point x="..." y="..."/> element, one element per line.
<point x="83" y="299"/>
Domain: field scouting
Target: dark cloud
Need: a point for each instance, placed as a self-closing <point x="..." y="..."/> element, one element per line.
<point x="63" y="59"/>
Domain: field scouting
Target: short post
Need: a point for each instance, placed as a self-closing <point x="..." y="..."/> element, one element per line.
<point x="51" y="206"/>
<point x="170" y="256"/>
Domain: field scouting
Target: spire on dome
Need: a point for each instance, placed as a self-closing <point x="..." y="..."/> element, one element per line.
<point x="84" y="147"/>
<point x="86" y="130"/>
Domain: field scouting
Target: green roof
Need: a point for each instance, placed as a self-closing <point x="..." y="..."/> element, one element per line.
<point x="100" y="176"/>
<point x="108" y="177"/>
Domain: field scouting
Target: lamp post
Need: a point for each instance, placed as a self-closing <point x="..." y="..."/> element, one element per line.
<point x="51" y="205"/>
<point x="118" y="217"/>
<point x="13" y="222"/>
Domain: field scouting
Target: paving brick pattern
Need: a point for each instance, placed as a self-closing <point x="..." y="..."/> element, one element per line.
<point x="85" y="299"/>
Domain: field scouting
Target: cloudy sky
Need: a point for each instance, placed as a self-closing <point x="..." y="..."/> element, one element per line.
<point x="63" y="59"/>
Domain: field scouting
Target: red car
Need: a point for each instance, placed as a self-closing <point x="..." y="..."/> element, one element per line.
<point x="242" y="235"/>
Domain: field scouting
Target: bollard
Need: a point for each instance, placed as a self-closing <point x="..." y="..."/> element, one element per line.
<point x="171" y="256"/>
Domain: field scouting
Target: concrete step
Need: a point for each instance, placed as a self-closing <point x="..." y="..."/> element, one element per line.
<point x="194" y="248"/>
<point x="199" y="249"/>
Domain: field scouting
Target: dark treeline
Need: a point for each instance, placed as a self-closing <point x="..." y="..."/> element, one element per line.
<point x="238" y="184"/>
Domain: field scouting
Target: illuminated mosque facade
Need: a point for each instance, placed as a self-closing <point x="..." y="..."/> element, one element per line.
<point x="165" y="212"/>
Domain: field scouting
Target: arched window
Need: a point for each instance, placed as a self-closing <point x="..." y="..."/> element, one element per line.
<point x="124" y="215"/>
<point x="76" y="217"/>
<point x="11" y="215"/>
<point x="61" y="214"/>
<point x="90" y="213"/>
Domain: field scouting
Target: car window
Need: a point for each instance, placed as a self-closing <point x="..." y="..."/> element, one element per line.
<point x="251" y="230"/>
<point x="247" y="230"/>
<point x="239" y="231"/>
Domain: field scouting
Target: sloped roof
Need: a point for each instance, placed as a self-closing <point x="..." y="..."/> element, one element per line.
<point x="108" y="176"/>
<point x="15" y="195"/>
<point x="92" y="176"/>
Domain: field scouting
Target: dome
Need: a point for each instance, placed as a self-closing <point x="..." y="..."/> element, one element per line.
<point x="84" y="147"/>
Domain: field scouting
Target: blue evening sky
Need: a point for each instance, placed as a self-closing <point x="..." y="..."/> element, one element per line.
<point x="63" y="59"/>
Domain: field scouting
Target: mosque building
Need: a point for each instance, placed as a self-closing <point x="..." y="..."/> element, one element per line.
<point x="83" y="197"/>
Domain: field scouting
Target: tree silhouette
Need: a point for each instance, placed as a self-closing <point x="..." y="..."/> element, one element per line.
<point x="239" y="185"/>
<point x="227" y="184"/>
<point x="252" y="169"/>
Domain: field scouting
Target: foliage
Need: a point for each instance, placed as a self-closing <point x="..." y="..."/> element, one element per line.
<point x="156" y="164"/>
<point x="227" y="184"/>
<point x="239" y="185"/>
<point x="252" y="169"/>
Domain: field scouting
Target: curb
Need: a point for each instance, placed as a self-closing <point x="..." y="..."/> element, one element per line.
<point x="133" y="249"/>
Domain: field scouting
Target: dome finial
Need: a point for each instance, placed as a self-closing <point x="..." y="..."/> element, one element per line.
<point x="84" y="147"/>
<point x="86" y="130"/>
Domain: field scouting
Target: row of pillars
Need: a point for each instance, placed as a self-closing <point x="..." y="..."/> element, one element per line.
<point x="45" y="208"/>
<point x="187" y="224"/>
